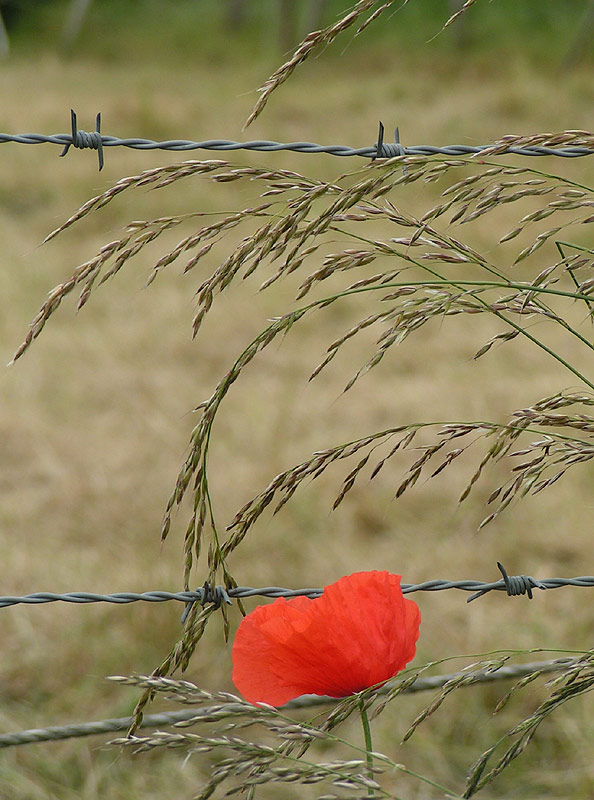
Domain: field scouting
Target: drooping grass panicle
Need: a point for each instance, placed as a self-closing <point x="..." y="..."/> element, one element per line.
<point x="576" y="681"/>
<point x="286" y="235"/>
<point x="139" y="234"/>
<point x="316" y="40"/>
<point x="550" y="456"/>
<point x="155" y="178"/>
<point x="312" y="42"/>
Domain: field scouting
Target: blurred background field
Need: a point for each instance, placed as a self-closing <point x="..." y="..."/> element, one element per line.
<point x="95" y="419"/>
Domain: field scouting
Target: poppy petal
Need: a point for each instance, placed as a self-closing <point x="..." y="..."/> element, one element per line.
<point x="359" y="633"/>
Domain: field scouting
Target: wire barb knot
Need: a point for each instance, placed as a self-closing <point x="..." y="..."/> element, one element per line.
<point x="514" y="585"/>
<point x="388" y="149"/>
<point x="82" y="139"/>
<point x="208" y="594"/>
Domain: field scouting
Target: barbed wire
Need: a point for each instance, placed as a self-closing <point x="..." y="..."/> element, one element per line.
<point x="513" y="585"/>
<point x="77" y="730"/>
<point x="95" y="140"/>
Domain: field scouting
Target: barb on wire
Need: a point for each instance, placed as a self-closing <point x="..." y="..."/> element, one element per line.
<point x="389" y="150"/>
<point x="82" y="139"/>
<point x="215" y="595"/>
<point x="59" y="732"/>
<point x="513" y="585"/>
<point x="570" y="144"/>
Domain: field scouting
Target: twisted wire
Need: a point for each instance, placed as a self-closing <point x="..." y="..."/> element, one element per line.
<point x="58" y="732"/>
<point x="513" y="585"/>
<point x="388" y="150"/>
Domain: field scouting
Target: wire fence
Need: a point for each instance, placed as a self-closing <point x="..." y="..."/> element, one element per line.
<point x="216" y="595"/>
<point x="95" y="140"/>
<point x="188" y="716"/>
<point x="513" y="585"/>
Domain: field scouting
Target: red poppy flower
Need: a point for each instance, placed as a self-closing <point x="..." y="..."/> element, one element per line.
<point x="359" y="633"/>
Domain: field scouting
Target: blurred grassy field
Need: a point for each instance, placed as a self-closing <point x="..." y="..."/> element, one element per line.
<point x="95" y="419"/>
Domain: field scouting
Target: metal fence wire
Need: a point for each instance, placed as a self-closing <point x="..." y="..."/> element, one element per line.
<point x="96" y="140"/>
<point x="185" y="716"/>
<point x="513" y="585"/>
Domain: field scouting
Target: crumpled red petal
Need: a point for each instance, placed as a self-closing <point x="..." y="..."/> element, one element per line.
<point x="359" y="633"/>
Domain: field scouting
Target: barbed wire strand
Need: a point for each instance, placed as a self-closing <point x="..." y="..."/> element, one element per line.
<point x="59" y="732"/>
<point x="97" y="141"/>
<point x="513" y="585"/>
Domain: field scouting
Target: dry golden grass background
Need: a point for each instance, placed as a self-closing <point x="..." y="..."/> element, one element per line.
<point x="96" y="417"/>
